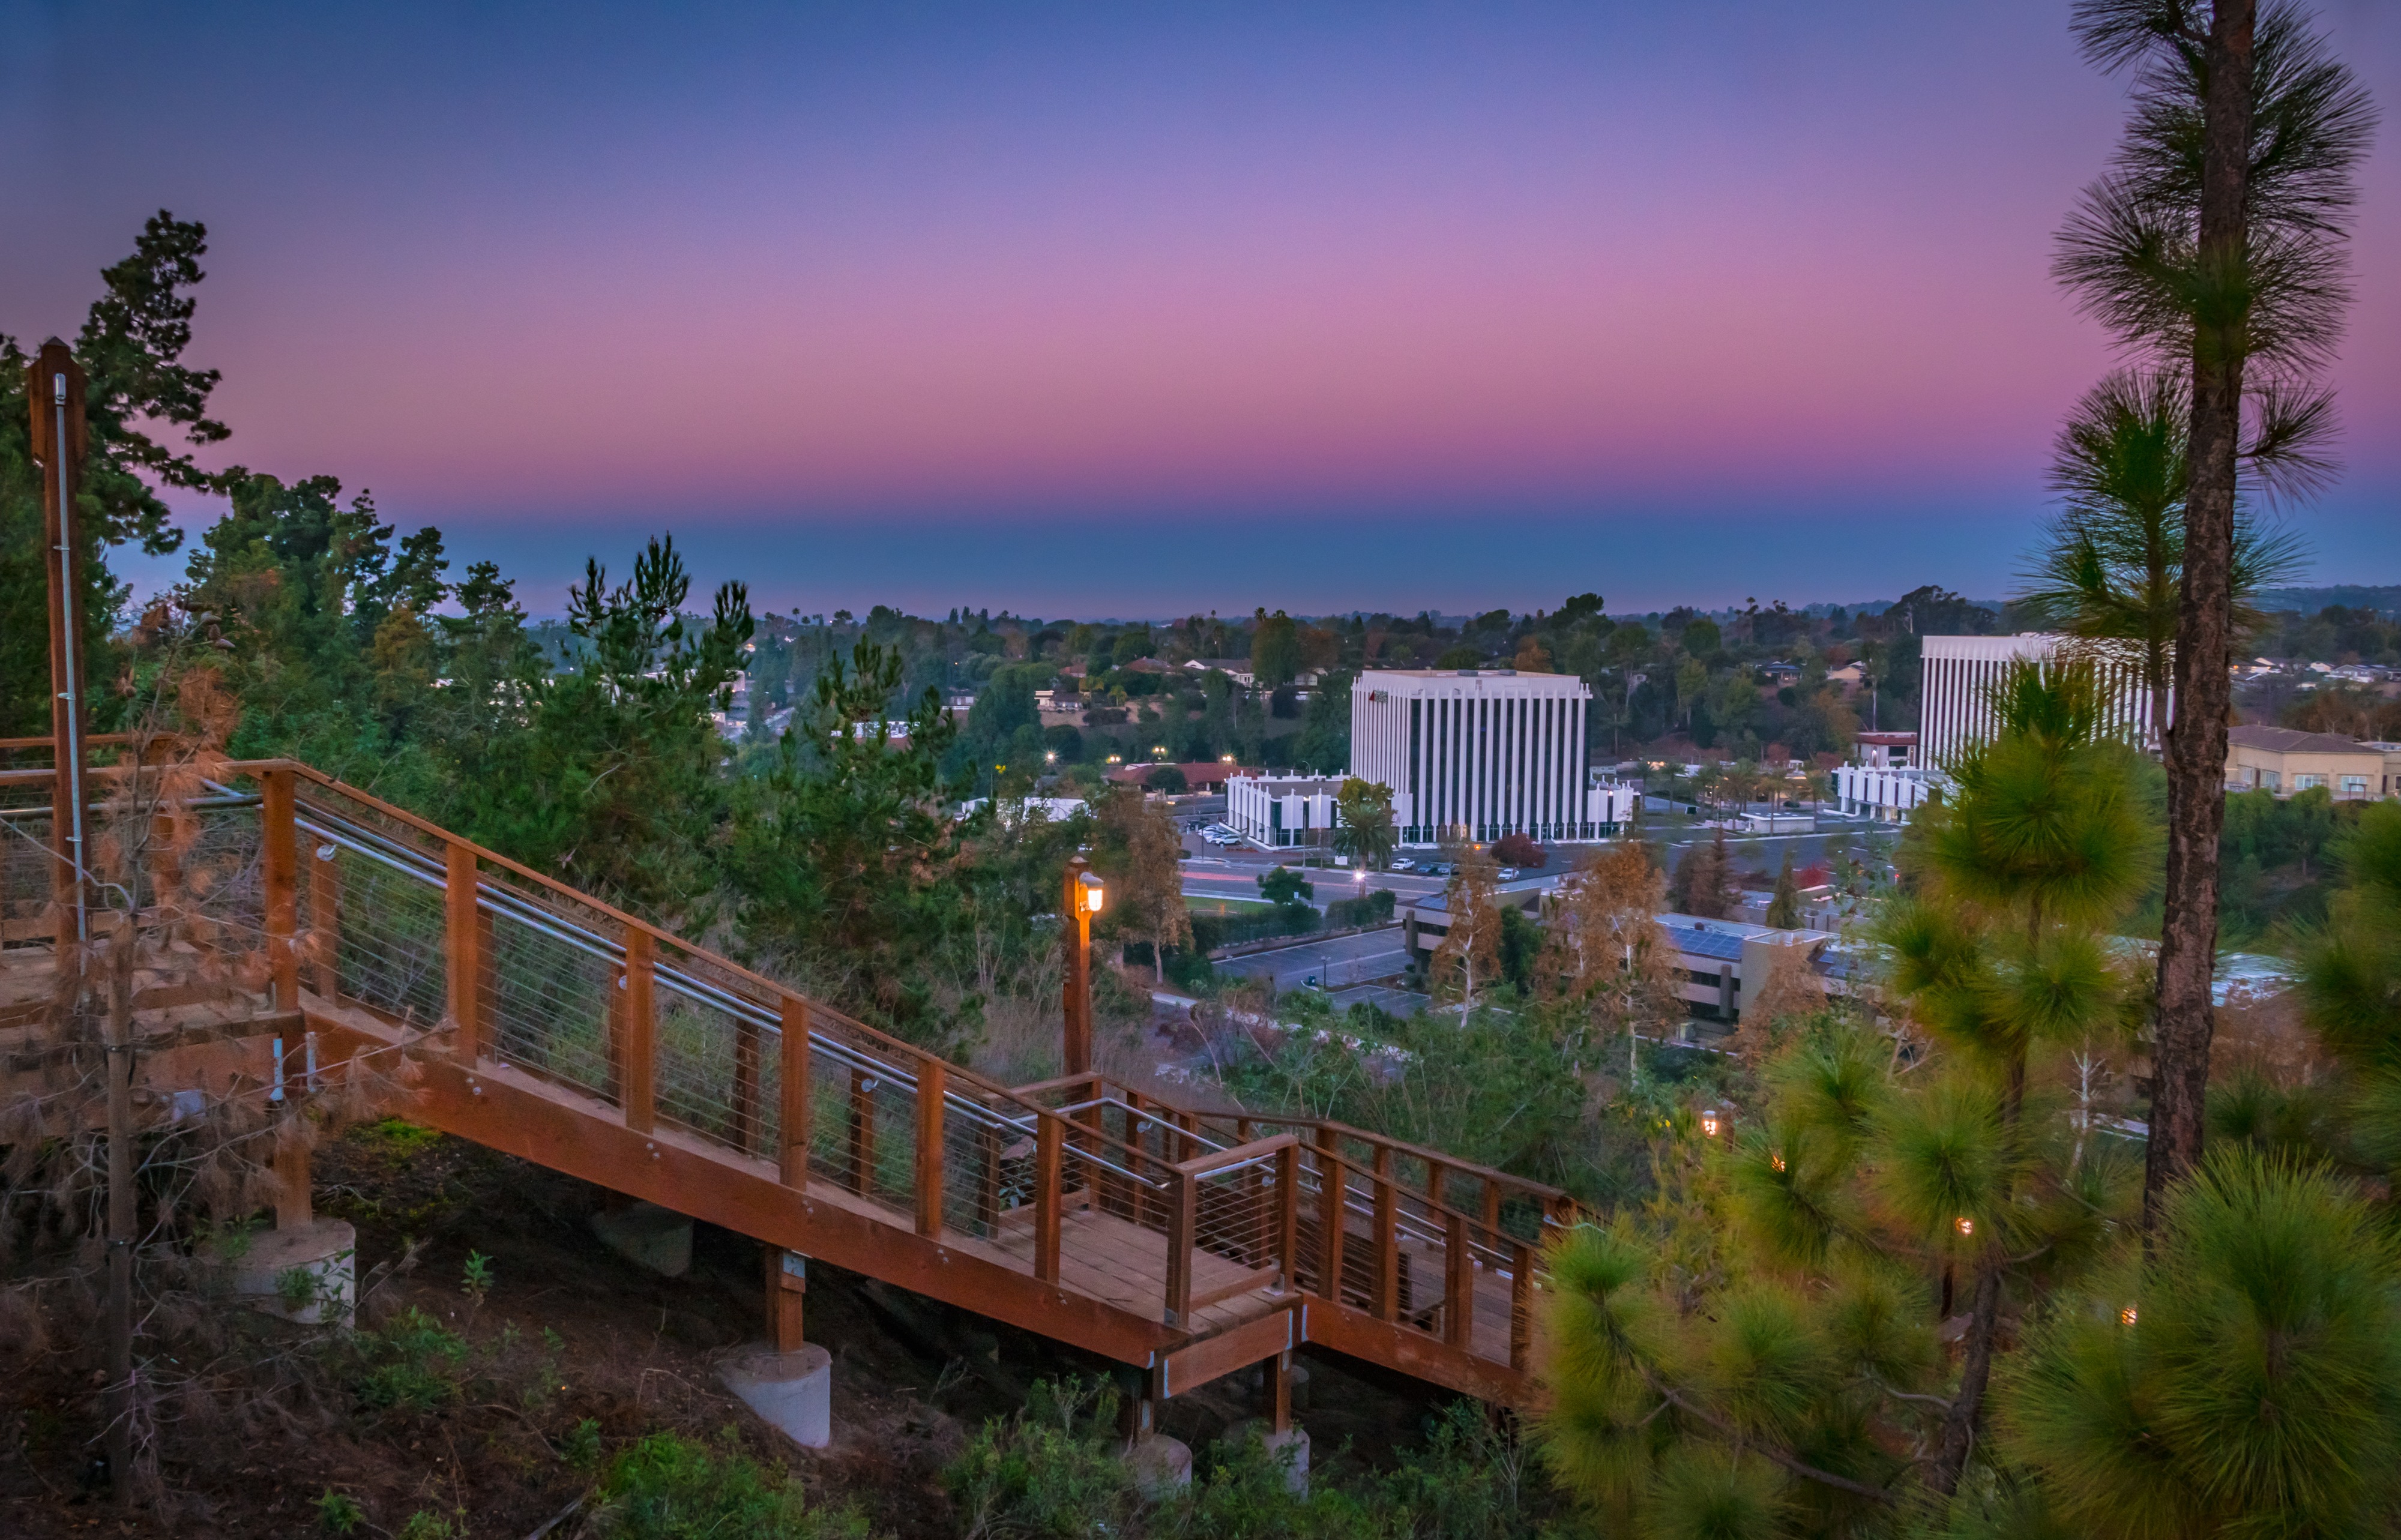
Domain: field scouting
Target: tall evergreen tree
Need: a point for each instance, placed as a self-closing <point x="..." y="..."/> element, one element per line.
<point x="2215" y="247"/>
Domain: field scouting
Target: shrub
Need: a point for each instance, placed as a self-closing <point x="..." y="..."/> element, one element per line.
<point x="1517" y="850"/>
<point x="339" y="1512"/>
<point x="411" y="1366"/>
<point x="671" y="1488"/>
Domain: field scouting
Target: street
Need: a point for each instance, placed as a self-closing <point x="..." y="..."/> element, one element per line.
<point x="1334" y="963"/>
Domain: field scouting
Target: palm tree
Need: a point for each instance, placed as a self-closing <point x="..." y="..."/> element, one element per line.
<point x="2110" y="570"/>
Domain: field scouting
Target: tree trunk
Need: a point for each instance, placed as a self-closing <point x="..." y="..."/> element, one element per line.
<point x="1961" y="1424"/>
<point x="2196" y="747"/>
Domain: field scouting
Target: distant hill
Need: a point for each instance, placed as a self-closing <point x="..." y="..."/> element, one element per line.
<point x="2309" y="601"/>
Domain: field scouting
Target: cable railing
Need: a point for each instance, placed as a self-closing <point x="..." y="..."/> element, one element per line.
<point x="1155" y="1209"/>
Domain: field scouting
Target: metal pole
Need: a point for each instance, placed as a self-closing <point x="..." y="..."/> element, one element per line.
<point x="55" y="388"/>
<point x="1076" y="1046"/>
<point x="70" y="751"/>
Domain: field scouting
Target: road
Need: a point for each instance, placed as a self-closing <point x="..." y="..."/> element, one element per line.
<point x="1341" y="961"/>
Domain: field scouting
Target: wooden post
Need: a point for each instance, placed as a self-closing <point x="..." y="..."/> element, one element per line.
<point x="787" y="1283"/>
<point x="294" y="1208"/>
<point x="744" y="1130"/>
<point x="1279" y="1393"/>
<point x="862" y="1132"/>
<point x="1387" y="1238"/>
<point x="1492" y="1205"/>
<point x="1287" y="1230"/>
<point x="1436" y="1175"/>
<point x="792" y="1115"/>
<point x="1458" y="1282"/>
<point x="933" y="1077"/>
<point x="1046" y="1143"/>
<point x="641" y="1066"/>
<point x="462" y="969"/>
<point x="325" y="924"/>
<point x="1183" y="1216"/>
<point x="1332" y="1200"/>
<point x="282" y="862"/>
<point x="1521" y="1305"/>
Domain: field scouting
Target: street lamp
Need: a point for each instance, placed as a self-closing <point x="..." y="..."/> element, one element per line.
<point x="1082" y="900"/>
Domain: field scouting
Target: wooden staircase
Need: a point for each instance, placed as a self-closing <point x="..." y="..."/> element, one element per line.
<point x="539" y="1021"/>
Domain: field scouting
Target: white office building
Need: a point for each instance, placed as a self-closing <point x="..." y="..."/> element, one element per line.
<point x="1281" y="811"/>
<point x="1954" y="692"/>
<point x="1475" y="754"/>
<point x="1956" y="714"/>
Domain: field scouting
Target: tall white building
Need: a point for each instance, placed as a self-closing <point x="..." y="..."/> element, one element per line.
<point x="1955" y="713"/>
<point x="1954" y="692"/>
<point x="1475" y="754"/>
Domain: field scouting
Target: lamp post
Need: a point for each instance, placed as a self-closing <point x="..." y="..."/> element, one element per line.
<point x="1081" y="901"/>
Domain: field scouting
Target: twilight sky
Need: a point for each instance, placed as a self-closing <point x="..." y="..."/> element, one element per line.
<point x="1128" y="309"/>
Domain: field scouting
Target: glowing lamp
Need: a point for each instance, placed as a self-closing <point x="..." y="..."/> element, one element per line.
<point x="1091" y="891"/>
<point x="1776" y="1161"/>
<point x="1709" y="1122"/>
<point x="1965" y="1225"/>
<point x="2126" y="1316"/>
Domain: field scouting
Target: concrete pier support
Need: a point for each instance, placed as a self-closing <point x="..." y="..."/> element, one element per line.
<point x="792" y="1390"/>
<point x="648" y="1235"/>
<point x="1161" y="1467"/>
<point x="307" y="1274"/>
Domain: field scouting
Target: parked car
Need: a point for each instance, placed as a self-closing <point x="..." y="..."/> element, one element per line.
<point x="1404" y="864"/>
<point x="1508" y="874"/>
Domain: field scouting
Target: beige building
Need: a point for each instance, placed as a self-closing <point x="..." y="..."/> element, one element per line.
<point x="2285" y="760"/>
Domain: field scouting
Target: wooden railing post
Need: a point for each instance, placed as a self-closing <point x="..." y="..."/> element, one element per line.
<point x="1048" y="1132"/>
<point x="745" y="1129"/>
<point x="792" y="1115"/>
<point x="282" y="862"/>
<point x="464" y="970"/>
<point x="933" y="1076"/>
<point x="1287" y="1224"/>
<point x="640" y="1056"/>
<point x="325" y="924"/>
<point x="1183" y="1216"/>
<point x="862" y="1132"/>
<point x="1458" y="1283"/>
<point x="1332" y="1220"/>
<point x="1521" y="1305"/>
<point x="1387" y="1293"/>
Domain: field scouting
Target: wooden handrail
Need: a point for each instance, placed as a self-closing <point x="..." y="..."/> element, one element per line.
<point x="1217" y="1160"/>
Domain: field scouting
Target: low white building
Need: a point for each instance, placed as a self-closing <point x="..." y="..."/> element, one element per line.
<point x="1282" y="811"/>
<point x="1889" y="793"/>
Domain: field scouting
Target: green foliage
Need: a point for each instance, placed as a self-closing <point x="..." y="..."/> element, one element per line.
<point x="412" y="1366"/>
<point x="425" y="1524"/>
<point x="580" y="1448"/>
<point x="476" y="1280"/>
<point x="1055" y="1471"/>
<point x="1275" y="650"/>
<point x="339" y="1513"/>
<point x="1284" y="885"/>
<point x="671" y="1488"/>
<point x="2245" y="1381"/>
<point x="616" y="786"/>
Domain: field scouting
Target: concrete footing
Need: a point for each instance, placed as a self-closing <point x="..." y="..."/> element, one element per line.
<point x="792" y="1390"/>
<point x="307" y="1274"/>
<point x="1161" y="1467"/>
<point x="1294" y="1441"/>
<point x="649" y="1237"/>
<point x="1291" y="1446"/>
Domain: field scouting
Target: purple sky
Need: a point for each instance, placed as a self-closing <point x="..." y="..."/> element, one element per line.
<point x="1134" y="309"/>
